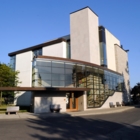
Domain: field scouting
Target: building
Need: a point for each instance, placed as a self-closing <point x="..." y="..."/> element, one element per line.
<point x="84" y="70"/>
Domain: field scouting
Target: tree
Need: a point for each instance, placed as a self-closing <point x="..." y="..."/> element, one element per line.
<point x="8" y="78"/>
<point x="135" y="92"/>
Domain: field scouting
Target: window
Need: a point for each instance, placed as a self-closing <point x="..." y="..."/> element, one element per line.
<point x="37" y="53"/>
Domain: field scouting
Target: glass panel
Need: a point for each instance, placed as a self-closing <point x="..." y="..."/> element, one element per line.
<point x="44" y="76"/>
<point x="57" y="77"/>
<point x="103" y="54"/>
<point x="58" y="83"/>
<point x="37" y="52"/>
<point x="68" y="71"/>
<point x="80" y="67"/>
<point x="58" y="70"/>
<point x="70" y="65"/>
<point x="90" y="100"/>
<point x="44" y="69"/>
<point x="46" y="83"/>
<point x="68" y="77"/>
<point x="13" y="62"/>
<point x="89" y="85"/>
<point x="70" y="84"/>
<point x="45" y="64"/>
<point x="57" y="64"/>
<point x="68" y="50"/>
<point x="41" y="83"/>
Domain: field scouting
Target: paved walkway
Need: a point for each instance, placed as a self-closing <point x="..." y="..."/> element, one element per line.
<point x="79" y="113"/>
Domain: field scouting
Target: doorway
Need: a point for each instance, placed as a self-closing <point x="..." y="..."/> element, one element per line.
<point x="71" y="101"/>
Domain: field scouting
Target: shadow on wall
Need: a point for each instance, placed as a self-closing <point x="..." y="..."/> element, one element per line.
<point x="23" y="98"/>
<point x="42" y="104"/>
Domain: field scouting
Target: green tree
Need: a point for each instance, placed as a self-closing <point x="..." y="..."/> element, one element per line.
<point x="135" y="92"/>
<point x="8" y="78"/>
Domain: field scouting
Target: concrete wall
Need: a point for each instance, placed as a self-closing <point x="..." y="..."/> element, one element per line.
<point x="84" y="36"/>
<point x="110" y="49"/>
<point x="122" y="67"/>
<point x="24" y="66"/>
<point x="57" y="50"/>
<point x="116" y="97"/>
<point x="85" y="100"/>
<point x="42" y="101"/>
<point x="81" y="102"/>
<point x="23" y="98"/>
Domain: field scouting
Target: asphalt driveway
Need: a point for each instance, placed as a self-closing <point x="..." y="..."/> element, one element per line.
<point x="116" y="126"/>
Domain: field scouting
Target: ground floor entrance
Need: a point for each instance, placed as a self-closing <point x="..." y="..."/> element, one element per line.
<point x="66" y="100"/>
<point x="71" y="101"/>
<point x="74" y="101"/>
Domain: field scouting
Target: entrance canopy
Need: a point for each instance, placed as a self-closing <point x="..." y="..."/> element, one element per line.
<point x="41" y="89"/>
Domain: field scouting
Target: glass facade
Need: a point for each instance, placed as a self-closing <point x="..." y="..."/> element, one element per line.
<point x="102" y="41"/>
<point x="13" y="62"/>
<point x="68" y="50"/>
<point x="37" y="53"/>
<point x="102" y="83"/>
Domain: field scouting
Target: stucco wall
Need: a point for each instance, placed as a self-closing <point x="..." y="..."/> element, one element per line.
<point x="85" y="100"/>
<point x="122" y="67"/>
<point x="57" y="50"/>
<point x="42" y="102"/>
<point x="110" y="49"/>
<point x="84" y="36"/>
<point x="24" y="66"/>
<point x="23" y="98"/>
<point x="116" y="97"/>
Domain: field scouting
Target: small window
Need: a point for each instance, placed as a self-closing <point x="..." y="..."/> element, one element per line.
<point x="37" y="53"/>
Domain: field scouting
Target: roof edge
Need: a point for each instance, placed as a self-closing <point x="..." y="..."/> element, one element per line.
<point x="122" y="48"/>
<point x="83" y="9"/>
<point x="42" y="89"/>
<point x="38" y="46"/>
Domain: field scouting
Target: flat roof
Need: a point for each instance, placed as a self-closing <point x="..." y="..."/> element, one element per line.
<point x="39" y="46"/>
<point x="83" y="9"/>
<point x="42" y="89"/>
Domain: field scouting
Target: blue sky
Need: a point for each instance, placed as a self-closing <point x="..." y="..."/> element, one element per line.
<point x="24" y="23"/>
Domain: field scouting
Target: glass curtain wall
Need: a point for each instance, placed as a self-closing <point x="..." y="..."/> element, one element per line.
<point x="102" y="42"/>
<point x="37" y="53"/>
<point x="13" y="62"/>
<point x="68" y="50"/>
<point x="102" y="83"/>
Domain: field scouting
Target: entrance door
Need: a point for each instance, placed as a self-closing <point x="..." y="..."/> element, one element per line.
<point x="71" y="101"/>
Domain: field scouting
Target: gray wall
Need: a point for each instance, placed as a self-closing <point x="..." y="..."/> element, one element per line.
<point x="24" y="66"/>
<point x="110" y="49"/>
<point x="81" y="102"/>
<point x="56" y="50"/>
<point x="43" y="100"/>
<point x="121" y="66"/>
<point x="84" y="36"/>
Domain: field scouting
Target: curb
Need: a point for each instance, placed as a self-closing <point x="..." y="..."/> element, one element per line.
<point x="102" y="113"/>
<point x="34" y="116"/>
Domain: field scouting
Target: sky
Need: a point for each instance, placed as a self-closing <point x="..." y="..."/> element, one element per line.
<point x="25" y="23"/>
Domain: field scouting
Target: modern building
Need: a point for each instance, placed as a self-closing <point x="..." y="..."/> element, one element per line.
<point x="84" y="70"/>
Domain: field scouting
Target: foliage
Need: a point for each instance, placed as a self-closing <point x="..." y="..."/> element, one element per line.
<point x="8" y="78"/>
<point x="135" y="92"/>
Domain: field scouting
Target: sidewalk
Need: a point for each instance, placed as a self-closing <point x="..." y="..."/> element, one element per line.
<point x="66" y="114"/>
